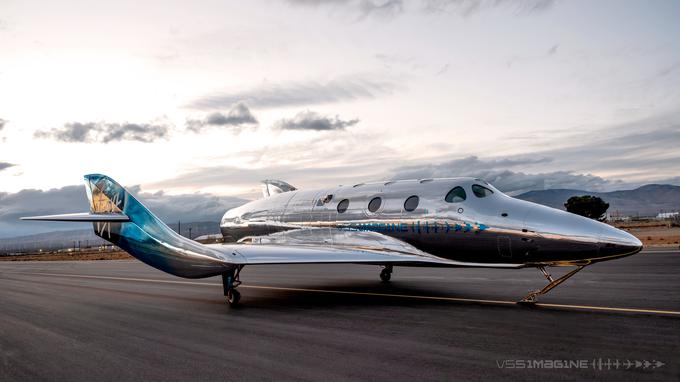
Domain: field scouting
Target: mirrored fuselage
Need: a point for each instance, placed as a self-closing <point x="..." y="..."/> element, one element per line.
<point x="462" y="219"/>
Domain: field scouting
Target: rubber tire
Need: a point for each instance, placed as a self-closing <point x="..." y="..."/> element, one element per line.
<point x="385" y="276"/>
<point x="233" y="297"/>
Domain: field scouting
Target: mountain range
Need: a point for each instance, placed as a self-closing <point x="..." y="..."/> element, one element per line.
<point x="647" y="200"/>
<point x="83" y="238"/>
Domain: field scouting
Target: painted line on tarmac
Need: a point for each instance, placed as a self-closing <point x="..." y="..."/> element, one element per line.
<point x="431" y="298"/>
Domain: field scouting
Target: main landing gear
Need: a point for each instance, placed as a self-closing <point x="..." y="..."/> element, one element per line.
<point x="386" y="273"/>
<point x="230" y="281"/>
<point x="531" y="297"/>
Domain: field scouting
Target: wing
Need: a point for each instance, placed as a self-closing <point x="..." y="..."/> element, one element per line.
<point x="319" y="245"/>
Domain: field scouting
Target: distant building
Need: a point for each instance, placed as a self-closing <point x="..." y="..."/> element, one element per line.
<point x="668" y="215"/>
<point x="618" y="218"/>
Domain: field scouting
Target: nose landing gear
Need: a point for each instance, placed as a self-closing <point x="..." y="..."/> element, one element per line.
<point x="531" y="297"/>
<point x="230" y="281"/>
<point x="386" y="273"/>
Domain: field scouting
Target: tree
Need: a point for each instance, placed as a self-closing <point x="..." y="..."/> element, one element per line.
<point x="589" y="206"/>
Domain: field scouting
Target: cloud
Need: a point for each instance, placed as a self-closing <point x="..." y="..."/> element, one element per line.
<point x="3" y="122"/>
<point x="382" y="9"/>
<point x="385" y="9"/>
<point x="321" y="173"/>
<point x="647" y="147"/>
<point x="467" y="8"/>
<point x="270" y="95"/>
<point x="170" y="208"/>
<point x="309" y="120"/>
<point x="5" y="165"/>
<point x="443" y="70"/>
<point x="186" y="207"/>
<point x="316" y="173"/>
<point x="537" y="57"/>
<point x="238" y="116"/>
<point x="630" y="154"/>
<point x="316" y="3"/>
<point x="505" y="173"/>
<point x="37" y="202"/>
<point x="104" y="132"/>
<point x="668" y="69"/>
<point x="388" y="9"/>
<point x="594" y="160"/>
<point x="498" y="172"/>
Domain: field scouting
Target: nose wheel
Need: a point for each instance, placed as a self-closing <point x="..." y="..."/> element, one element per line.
<point x="386" y="273"/>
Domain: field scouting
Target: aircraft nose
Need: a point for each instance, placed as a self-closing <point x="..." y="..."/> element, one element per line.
<point x="568" y="236"/>
<point x="616" y="242"/>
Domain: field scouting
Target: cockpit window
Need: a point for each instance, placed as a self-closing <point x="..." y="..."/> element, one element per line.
<point x="456" y="195"/>
<point x="481" y="191"/>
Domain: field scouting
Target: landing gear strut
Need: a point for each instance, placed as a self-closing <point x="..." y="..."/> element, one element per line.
<point x="386" y="273"/>
<point x="531" y="297"/>
<point x="230" y="281"/>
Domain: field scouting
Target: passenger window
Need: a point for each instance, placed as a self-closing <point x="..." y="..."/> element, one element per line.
<point x="374" y="204"/>
<point x="481" y="191"/>
<point x="343" y="205"/>
<point x="411" y="203"/>
<point x="456" y="195"/>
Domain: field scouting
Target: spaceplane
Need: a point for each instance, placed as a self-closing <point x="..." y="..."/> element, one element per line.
<point x="452" y="222"/>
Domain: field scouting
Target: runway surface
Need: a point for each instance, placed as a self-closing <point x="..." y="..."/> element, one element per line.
<point x="122" y="321"/>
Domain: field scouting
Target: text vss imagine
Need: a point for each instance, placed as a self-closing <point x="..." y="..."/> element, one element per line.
<point x="455" y="222"/>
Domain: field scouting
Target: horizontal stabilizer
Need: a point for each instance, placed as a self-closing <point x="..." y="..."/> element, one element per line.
<point x="81" y="217"/>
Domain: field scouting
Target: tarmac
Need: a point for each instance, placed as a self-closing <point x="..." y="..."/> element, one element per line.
<point x="121" y="320"/>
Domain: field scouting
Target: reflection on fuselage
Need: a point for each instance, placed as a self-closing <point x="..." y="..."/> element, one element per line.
<point x="462" y="219"/>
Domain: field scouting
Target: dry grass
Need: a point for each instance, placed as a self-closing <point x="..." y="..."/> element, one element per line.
<point x="646" y="224"/>
<point x="657" y="236"/>
<point x="117" y="255"/>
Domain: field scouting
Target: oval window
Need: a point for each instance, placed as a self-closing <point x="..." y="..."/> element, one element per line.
<point x="343" y="205"/>
<point x="481" y="191"/>
<point x="457" y="194"/>
<point x="411" y="203"/>
<point x="374" y="204"/>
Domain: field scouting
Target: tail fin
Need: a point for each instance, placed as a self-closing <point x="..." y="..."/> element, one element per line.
<point x="109" y="198"/>
<point x="121" y="219"/>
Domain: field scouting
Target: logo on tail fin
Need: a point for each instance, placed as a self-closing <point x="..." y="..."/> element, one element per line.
<point x="106" y="197"/>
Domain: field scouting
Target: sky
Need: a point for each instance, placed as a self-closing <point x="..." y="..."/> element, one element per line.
<point x="196" y="102"/>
